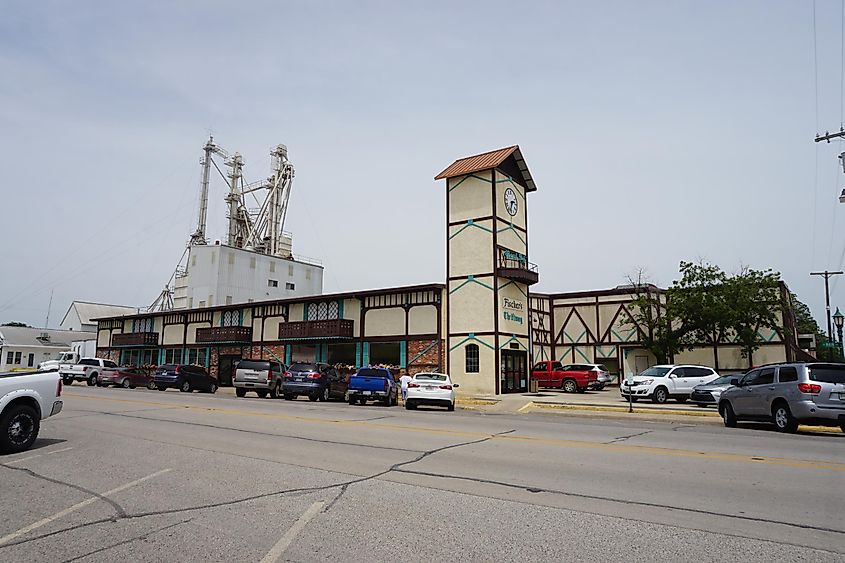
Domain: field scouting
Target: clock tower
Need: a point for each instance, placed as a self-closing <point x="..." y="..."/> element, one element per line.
<point x="487" y="271"/>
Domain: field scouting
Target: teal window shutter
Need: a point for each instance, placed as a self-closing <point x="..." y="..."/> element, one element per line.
<point x="358" y="355"/>
<point x="365" y="358"/>
<point x="288" y="355"/>
<point x="403" y="354"/>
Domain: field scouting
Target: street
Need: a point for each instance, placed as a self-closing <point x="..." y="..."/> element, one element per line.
<point x="163" y="476"/>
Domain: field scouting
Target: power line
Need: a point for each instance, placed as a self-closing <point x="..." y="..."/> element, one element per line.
<point x="827" y="275"/>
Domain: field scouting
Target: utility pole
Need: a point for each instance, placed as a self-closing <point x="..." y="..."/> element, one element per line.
<point x="827" y="275"/>
<point x="828" y="136"/>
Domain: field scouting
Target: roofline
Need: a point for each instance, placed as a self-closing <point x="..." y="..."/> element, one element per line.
<point x="304" y="299"/>
<point x="596" y="292"/>
<point x="74" y="302"/>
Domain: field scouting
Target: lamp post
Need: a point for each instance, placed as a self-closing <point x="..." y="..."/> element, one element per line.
<point x="839" y="320"/>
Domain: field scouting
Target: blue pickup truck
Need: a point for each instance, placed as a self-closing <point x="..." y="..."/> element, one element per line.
<point x="373" y="384"/>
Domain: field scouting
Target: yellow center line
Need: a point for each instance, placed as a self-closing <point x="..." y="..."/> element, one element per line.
<point x="581" y="444"/>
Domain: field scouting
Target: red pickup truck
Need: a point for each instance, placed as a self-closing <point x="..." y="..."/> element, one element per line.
<point x="555" y="374"/>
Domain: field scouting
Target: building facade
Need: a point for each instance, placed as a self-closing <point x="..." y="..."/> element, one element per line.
<point x="482" y="326"/>
<point x="26" y="347"/>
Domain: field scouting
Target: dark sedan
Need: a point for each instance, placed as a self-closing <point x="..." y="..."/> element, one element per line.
<point x="315" y="380"/>
<point x="126" y="377"/>
<point x="185" y="378"/>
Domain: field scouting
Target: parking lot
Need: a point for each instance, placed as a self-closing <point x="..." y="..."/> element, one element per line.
<point x="160" y="476"/>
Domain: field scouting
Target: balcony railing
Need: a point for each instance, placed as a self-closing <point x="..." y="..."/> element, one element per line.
<point x="135" y="339"/>
<point x="516" y="267"/>
<point x="224" y="334"/>
<point x="337" y="328"/>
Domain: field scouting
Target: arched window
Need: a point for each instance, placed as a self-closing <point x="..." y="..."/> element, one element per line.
<point x="471" y="351"/>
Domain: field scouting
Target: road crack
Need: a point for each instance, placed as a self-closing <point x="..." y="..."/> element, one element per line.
<point x="623" y="438"/>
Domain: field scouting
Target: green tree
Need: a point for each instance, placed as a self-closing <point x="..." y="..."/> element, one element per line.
<point x="650" y="314"/>
<point x="755" y="302"/>
<point x="16" y="323"/>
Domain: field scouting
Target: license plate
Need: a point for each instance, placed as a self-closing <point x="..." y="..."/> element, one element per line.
<point x="299" y="378"/>
<point x="367" y="393"/>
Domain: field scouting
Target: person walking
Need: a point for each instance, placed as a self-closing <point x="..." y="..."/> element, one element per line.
<point x="403" y="382"/>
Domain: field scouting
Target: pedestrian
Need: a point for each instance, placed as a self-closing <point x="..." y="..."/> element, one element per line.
<point x="403" y="381"/>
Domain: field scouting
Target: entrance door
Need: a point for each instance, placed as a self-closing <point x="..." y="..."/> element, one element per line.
<point x="226" y="369"/>
<point x="514" y="371"/>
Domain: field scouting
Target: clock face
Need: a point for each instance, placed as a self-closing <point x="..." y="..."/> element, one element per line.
<point x="510" y="201"/>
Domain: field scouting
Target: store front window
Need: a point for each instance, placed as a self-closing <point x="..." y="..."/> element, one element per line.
<point x="387" y="353"/>
<point x="342" y="354"/>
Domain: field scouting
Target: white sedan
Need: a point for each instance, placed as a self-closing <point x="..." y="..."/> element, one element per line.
<point x="431" y="389"/>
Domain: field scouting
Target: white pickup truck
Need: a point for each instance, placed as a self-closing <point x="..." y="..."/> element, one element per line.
<point x="26" y="398"/>
<point x="87" y="369"/>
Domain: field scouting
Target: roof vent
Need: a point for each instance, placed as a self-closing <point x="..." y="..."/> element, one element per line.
<point x="44" y="337"/>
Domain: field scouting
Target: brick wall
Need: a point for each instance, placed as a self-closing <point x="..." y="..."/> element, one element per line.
<point x="431" y="357"/>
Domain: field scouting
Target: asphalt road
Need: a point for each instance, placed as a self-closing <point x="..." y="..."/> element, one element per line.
<point x="150" y="476"/>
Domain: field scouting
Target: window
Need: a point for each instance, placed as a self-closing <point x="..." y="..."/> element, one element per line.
<point x="698" y="372"/>
<point x="272" y="283"/>
<point x="679" y="372"/>
<point x="787" y="374"/>
<point x="173" y="356"/>
<point x="827" y="373"/>
<point x="202" y="304"/>
<point x="289" y="285"/>
<point x="198" y="356"/>
<point x="10" y="357"/>
<point x="307" y="274"/>
<point x="290" y="270"/>
<point x="17" y="358"/>
<point x="759" y="377"/>
<point x="142" y="325"/>
<point x="557" y="366"/>
<point x="324" y="311"/>
<point x="228" y="300"/>
<point x="231" y="318"/>
<point x="539" y="367"/>
<point x="272" y="266"/>
<point x="471" y="351"/>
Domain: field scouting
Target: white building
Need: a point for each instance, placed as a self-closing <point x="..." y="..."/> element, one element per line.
<point x="79" y="315"/>
<point x="222" y="275"/>
<point x="25" y="347"/>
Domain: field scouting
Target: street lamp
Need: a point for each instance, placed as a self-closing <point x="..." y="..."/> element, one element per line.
<point x="839" y="320"/>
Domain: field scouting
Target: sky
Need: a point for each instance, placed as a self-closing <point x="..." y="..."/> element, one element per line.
<point x="656" y="132"/>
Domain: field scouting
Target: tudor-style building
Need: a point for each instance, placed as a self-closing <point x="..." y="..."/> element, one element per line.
<point x="482" y="326"/>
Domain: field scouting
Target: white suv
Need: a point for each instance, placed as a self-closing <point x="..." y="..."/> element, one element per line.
<point x="660" y="383"/>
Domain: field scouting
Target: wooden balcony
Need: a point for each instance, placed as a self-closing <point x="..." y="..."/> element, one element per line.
<point x="337" y="328"/>
<point x="224" y="335"/>
<point x="134" y="339"/>
<point x="515" y="266"/>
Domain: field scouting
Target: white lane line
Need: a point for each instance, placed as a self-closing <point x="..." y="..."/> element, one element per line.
<point x="20" y="459"/>
<point x="280" y="547"/>
<point x="77" y="506"/>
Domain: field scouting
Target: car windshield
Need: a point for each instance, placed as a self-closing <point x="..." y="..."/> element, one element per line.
<point x="430" y="377"/>
<point x="655" y="372"/>
<point x="725" y="379"/>
<point x="167" y="367"/>
<point x="828" y="374"/>
<point x="302" y="367"/>
<point x="257" y="365"/>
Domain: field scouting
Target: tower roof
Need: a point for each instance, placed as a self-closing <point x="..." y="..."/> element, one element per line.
<point x="509" y="159"/>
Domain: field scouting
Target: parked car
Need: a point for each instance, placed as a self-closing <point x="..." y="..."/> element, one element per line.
<point x="79" y="349"/>
<point x="570" y="378"/>
<point x="87" y="369"/>
<point x="431" y="389"/>
<point x="316" y="380"/>
<point x="262" y="376"/>
<point x="184" y="377"/>
<point x="788" y="395"/>
<point x="26" y="398"/>
<point x="709" y="393"/>
<point x="373" y="384"/>
<point x="126" y="377"/>
<point x="664" y="382"/>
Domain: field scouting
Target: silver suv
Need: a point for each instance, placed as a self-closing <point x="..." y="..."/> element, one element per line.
<point x="787" y="395"/>
<point x="262" y="376"/>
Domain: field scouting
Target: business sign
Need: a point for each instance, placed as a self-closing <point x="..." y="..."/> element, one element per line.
<point x="508" y="254"/>
<point x="513" y="310"/>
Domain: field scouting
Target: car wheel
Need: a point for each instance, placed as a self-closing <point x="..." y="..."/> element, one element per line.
<point x="92" y="380"/>
<point x="728" y="416"/>
<point x="410" y="405"/>
<point x="842" y="425"/>
<point x="289" y="397"/>
<point x="783" y="419"/>
<point x="702" y="405"/>
<point x="681" y="399"/>
<point x="162" y="388"/>
<point x="313" y="397"/>
<point x="132" y="386"/>
<point x="582" y="389"/>
<point x="351" y="400"/>
<point x="262" y="393"/>
<point x="570" y="386"/>
<point x="362" y="401"/>
<point x="276" y="390"/>
<point x="151" y="385"/>
<point x="67" y="380"/>
<point x="661" y="395"/>
<point x="451" y="407"/>
<point x="125" y="383"/>
<point x="325" y="396"/>
<point x="213" y="388"/>
<point x="240" y="392"/>
<point x="599" y="387"/>
<point x="18" y="429"/>
<point x="186" y="387"/>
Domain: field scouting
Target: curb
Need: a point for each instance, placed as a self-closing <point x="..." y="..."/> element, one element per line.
<point x="624" y="410"/>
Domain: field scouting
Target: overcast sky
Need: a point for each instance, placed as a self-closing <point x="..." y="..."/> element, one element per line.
<point x="656" y="132"/>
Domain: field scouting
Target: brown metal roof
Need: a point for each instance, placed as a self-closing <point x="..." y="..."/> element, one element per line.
<point x="488" y="160"/>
